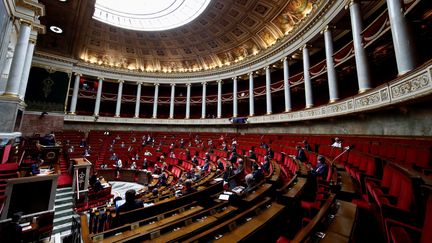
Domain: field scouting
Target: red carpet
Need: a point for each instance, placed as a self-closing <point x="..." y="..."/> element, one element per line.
<point x="64" y="180"/>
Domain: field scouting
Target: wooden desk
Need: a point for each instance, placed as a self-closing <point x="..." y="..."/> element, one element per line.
<point x="261" y="190"/>
<point x="347" y="184"/>
<point x="296" y="188"/>
<point x="332" y="237"/>
<point x="183" y="231"/>
<point x="149" y="227"/>
<point x="249" y="228"/>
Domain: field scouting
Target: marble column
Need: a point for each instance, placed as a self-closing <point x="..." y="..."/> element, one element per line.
<point x="188" y="97"/>
<point x="18" y="60"/>
<point x="98" y="97"/>
<point x="235" y="112"/>
<point x="268" y="91"/>
<point x="219" y="99"/>
<point x="203" y="103"/>
<point x="362" y="66"/>
<point x="287" y="89"/>
<point x="307" y="79"/>
<point x="138" y="100"/>
<point x="119" y="98"/>
<point x="155" y="100"/>
<point x="331" y="71"/>
<point x="251" y="95"/>
<point x="75" y="94"/>
<point x="171" y="113"/>
<point x="403" y="42"/>
<point x="26" y="69"/>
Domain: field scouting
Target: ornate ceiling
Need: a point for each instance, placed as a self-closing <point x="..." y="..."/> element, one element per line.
<point x="228" y="31"/>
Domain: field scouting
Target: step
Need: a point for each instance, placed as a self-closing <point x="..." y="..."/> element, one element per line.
<point x="62" y="228"/>
<point x="60" y="190"/>
<point x="62" y="220"/>
<point x="63" y="206"/>
<point x="63" y="200"/>
<point x="63" y="212"/>
<point x="64" y="195"/>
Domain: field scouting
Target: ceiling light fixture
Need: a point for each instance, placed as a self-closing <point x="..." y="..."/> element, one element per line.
<point x="56" y="29"/>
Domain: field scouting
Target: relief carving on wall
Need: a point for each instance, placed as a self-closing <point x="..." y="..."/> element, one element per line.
<point x="410" y="86"/>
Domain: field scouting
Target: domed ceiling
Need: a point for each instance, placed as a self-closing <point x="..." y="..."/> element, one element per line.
<point x="227" y="32"/>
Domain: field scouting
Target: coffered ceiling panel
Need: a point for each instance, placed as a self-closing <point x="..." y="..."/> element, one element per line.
<point x="227" y="31"/>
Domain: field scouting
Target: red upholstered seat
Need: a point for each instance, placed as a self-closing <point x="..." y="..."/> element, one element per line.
<point x="282" y="239"/>
<point x="401" y="232"/>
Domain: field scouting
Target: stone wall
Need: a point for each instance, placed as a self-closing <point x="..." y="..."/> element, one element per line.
<point x="34" y="122"/>
<point x="412" y="120"/>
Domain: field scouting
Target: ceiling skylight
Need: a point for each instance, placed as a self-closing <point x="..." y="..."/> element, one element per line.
<point x="148" y="15"/>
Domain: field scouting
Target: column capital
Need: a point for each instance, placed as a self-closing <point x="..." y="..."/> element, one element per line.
<point x="219" y="81"/>
<point x="204" y="83"/>
<point x="25" y="21"/>
<point x="286" y="58"/>
<point x="139" y="83"/>
<point x="267" y="67"/>
<point x="234" y="78"/>
<point x="188" y="84"/>
<point x="172" y="84"/>
<point x="156" y="84"/>
<point x="78" y="74"/>
<point x="32" y="40"/>
<point x="250" y="73"/>
<point x="349" y="3"/>
<point x="305" y="46"/>
<point x="327" y="28"/>
<point x="100" y="78"/>
<point x="120" y="81"/>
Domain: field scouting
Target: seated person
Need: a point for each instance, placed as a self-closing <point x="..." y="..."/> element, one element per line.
<point x="337" y="143"/>
<point x="147" y="153"/>
<point x="114" y="157"/>
<point x="145" y="164"/>
<point x="255" y="176"/>
<point x="270" y="153"/>
<point x="195" y="160"/>
<point x="13" y="229"/>
<point x="133" y="166"/>
<point x="240" y="166"/>
<point x="306" y="145"/>
<point x="233" y="157"/>
<point x="98" y="185"/>
<point x="252" y="155"/>
<point x="188" y="187"/>
<point x="266" y="164"/>
<point x="220" y="165"/>
<point x="162" y="180"/>
<point x="131" y="203"/>
<point x="206" y="165"/>
<point x="83" y="143"/>
<point x="228" y="172"/>
<point x="118" y="164"/>
<point x="35" y="167"/>
<point x="104" y="166"/>
<point x="301" y="155"/>
<point x="48" y="140"/>
<point x="93" y="179"/>
<point x="321" y="167"/>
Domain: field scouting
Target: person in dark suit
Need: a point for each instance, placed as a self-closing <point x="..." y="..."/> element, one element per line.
<point x="188" y="187"/>
<point x="270" y="153"/>
<point x="266" y="164"/>
<point x="321" y="168"/>
<point x="301" y="155"/>
<point x="131" y="203"/>
<point x="252" y="155"/>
